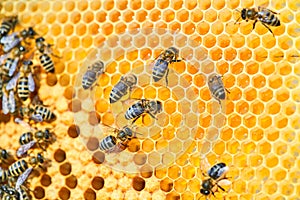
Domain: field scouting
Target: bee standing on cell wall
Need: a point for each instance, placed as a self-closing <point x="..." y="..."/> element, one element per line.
<point x="7" y="25"/>
<point x="92" y="74"/>
<point x="216" y="174"/>
<point x="264" y="15"/>
<point x="38" y="113"/>
<point x="120" y="89"/>
<point x="44" y="58"/>
<point x="161" y="64"/>
<point x="109" y="143"/>
<point x="216" y="87"/>
<point x="143" y="106"/>
<point x="26" y="82"/>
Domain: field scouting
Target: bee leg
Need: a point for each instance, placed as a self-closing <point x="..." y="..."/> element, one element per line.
<point x="135" y="119"/>
<point x="227" y="90"/>
<point x="269" y="29"/>
<point x="166" y="77"/>
<point x="152" y="115"/>
<point x="221" y="187"/>
<point x="254" y="24"/>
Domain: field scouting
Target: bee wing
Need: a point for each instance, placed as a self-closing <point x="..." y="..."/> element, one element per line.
<point x="31" y="83"/>
<point x="3" y="57"/>
<point x="224" y="182"/>
<point x="10" y="42"/>
<point x="5" y="107"/>
<point x="12" y="101"/>
<point x="22" y="178"/>
<point x="37" y="117"/>
<point x="13" y="82"/>
<point x="13" y="66"/>
<point x="24" y="124"/>
<point x="24" y="148"/>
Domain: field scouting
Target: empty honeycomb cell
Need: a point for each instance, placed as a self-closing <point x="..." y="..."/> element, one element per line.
<point x="138" y="183"/>
<point x="71" y="181"/>
<point x="282" y="95"/>
<point x="64" y="193"/>
<point x="203" y="28"/>
<point x="291" y="82"/>
<point x="140" y="158"/>
<point x="256" y="134"/>
<point x="271" y="161"/>
<point x="89" y="194"/>
<point x="166" y="185"/>
<point x="287" y="162"/>
<point x="280" y="148"/>
<point x="230" y="54"/>
<point x="39" y="192"/>
<point x="249" y="121"/>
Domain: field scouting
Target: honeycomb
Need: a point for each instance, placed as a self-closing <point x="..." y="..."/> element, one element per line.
<point x="254" y="130"/>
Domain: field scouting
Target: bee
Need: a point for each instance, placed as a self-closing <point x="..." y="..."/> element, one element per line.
<point x="7" y="25"/>
<point x="92" y="73"/>
<point x="161" y="64"/>
<point x="109" y="143"/>
<point x="45" y="60"/>
<point x="9" y="104"/>
<point x="1" y="86"/>
<point x="10" y="65"/>
<point x="23" y="194"/>
<point x="264" y="15"/>
<point x="216" y="174"/>
<point x="216" y="87"/>
<point x="143" y="106"/>
<point x="28" y="33"/>
<point x="3" y="175"/>
<point x="9" y="193"/>
<point x="37" y="113"/>
<point x="28" y="140"/>
<point x="26" y="82"/>
<point x="120" y="89"/>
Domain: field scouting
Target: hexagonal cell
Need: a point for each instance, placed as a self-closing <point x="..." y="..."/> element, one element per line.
<point x="271" y="160"/>
<point x="282" y="94"/>
<point x="249" y="121"/>
<point x="279" y="174"/>
<point x="271" y="187"/>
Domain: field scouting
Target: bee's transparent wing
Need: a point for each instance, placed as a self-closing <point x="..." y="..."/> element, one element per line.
<point x="5" y="106"/>
<point x="13" y="82"/>
<point x="24" y="148"/>
<point x="10" y="41"/>
<point x="13" y="66"/>
<point x="37" y="117"/>
<point x="3" y="57"/>
<point x="22" y="178"/>
<point x="31" y="83"/>
<point x="12" y="101"/>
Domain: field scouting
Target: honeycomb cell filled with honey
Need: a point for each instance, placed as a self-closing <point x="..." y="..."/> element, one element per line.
<point x="254" y="130"/>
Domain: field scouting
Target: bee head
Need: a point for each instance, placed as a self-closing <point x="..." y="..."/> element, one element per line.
<point x="28" y="62"/>
<point x="40" y="39"/>
<point x="244" y="13"/>
<point x="131" y="79"/>
<point x="204" y="192"/>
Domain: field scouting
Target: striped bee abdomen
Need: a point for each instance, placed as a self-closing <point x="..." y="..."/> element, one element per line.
<point x="23" y="88"/>
<point x="134" y="111"/>
<point x="108" y="143"/>
<point x="17" y="168"/>
<point x="47" y="63"/>
<point x="159" y="69"/>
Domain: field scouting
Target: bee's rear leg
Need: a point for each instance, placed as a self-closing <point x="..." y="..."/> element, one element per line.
<point x="135" y="119"/>
<point x="254" y="24"/>
<point x="269" y="29"/>
<point x="166" y="77"/>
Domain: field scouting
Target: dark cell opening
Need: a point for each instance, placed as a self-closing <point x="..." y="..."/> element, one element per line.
<point x="60" y="155"/>
<point x="64" y="193"/>
<point x="97" y="182"/>
<point x="73" y="131"/>
<point x="89" y="194"/>
<point x="39" y="192"/>
<point x="138" y="183"/>
<point x="46" y="180"/>
<point x="65" y="169"/>
<point x="71" y="181"/>
<point x="98" y="157"/>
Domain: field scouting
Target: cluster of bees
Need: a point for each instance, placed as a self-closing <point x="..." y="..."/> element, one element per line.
<point x="18" y="77"/>
<point x="19" y="88"/>
<point x="216" y="174"/>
